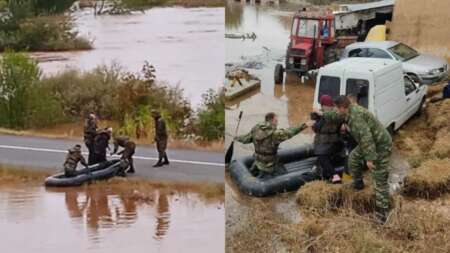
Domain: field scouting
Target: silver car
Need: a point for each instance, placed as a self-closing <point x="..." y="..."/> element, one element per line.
<point x="427" y="68"/>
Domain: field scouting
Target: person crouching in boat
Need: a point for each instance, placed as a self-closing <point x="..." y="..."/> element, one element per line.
<point x="327" y="142"/>
<point x="266" y="138"/>
<point x="73" y="157"/>
<point x="127" y="153"/>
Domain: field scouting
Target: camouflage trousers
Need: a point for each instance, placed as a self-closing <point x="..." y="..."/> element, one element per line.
<point x="380" y="174"/>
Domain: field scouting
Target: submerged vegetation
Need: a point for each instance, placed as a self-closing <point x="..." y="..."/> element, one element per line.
<point x="31" y="101"/>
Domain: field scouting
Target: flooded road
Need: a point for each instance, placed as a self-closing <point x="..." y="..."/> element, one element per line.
<point x="187" y="49"/>
<point x="85" y="219"/>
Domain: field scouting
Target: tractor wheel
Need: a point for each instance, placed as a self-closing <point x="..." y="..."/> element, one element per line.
<point x="279" y="72"/>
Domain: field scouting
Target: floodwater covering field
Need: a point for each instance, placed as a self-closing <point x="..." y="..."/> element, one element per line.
<point x="85" y="219"/>
<point x="185" y="45"/>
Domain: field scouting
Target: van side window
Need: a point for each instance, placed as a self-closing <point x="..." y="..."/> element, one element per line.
<point x="358" y="88"/>
<point x="358" y="52"/>
<point x="409" y="86"/>
<point x="377" y="53"/>
<point x="329" y="85"/>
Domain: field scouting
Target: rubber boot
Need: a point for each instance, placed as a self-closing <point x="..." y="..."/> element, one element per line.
<point x="166" y="160"/>
<point x="381" y="215"/>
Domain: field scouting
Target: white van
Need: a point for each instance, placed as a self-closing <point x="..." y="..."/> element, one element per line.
<point x="379" y="85"/>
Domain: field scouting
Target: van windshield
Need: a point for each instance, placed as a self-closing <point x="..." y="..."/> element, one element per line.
<point x="329" y="85"/>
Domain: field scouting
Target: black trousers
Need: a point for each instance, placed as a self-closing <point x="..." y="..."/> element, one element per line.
<point x="99" y="157"/>
<point x="325" y="163"/>
<point x="91" y="156"/>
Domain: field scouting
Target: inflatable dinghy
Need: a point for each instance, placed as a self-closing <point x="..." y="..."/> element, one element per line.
<point x="98" y="171"/>
<point x="297" y="168"/>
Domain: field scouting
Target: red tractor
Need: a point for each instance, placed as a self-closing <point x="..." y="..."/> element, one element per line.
<point x="313" y="43"/>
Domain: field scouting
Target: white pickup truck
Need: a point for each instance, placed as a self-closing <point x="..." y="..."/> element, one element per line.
<point x="380" y="85"/>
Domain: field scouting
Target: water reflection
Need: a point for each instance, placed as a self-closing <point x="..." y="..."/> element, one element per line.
<point x="162" y="217"/>
<point x="96" y="219"/>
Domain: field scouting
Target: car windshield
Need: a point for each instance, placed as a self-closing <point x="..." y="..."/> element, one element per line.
<point x="402" y="52"/>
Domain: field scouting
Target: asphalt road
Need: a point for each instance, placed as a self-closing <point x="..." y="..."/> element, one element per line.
<point x="49" y="154"/>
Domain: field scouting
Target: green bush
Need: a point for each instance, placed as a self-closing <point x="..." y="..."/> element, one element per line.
<point x="19" y="76"/>
<point x="210" y="122"/>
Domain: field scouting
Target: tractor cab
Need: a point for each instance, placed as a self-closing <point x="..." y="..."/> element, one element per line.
<point x="312" y="44"/>
<point x="310" y="33"/>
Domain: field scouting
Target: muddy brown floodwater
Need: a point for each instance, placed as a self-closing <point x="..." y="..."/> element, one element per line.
<point x="185" y="45"/>
<point x="291" y="101"/>
<point x="84" y="219"/>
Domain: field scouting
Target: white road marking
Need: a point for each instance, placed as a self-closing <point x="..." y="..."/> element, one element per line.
<point x="134" y="157"/>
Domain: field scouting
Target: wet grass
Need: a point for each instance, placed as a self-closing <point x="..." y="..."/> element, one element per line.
<point x="142" y="189"/>
<point x="431" y="180"/>
<point x="16" y="174"/>
<point x="319" y="197"/>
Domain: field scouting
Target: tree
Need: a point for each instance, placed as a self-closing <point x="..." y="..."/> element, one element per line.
<point x="18" y="77"/>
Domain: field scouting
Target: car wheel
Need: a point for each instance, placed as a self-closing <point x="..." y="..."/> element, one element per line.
<point x="278" y="75"/>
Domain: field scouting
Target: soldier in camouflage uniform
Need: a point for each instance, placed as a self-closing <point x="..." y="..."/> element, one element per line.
<point x="73" y="157"/>
<point x="90" y="131"/>
<point x="161" y="137"/>
<point x="327" y="142"/>
<point x="127" y="153"/>
<point x="101" y="144"/>
<point x="373" y="150"/>
<point x="266" y="138"/>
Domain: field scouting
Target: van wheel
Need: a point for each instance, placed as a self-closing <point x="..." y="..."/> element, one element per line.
<point x="420" y="109"/>
<point x="391" y="129"/>
<point x="278" y="75"/>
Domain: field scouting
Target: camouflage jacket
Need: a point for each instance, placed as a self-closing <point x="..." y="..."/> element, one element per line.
<point x="327" y="135"/>
<point x="90" y="130"/>
<point x="366" y="130"/>
<point x="124" y="142"/>
<point x="266" y="138"/>
<point x="160" y="129"/>
<point x="72" y="159"/>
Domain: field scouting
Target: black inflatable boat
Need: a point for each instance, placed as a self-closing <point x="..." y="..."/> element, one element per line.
<point x="297" y="169"/>
<point x="98" y="171"/>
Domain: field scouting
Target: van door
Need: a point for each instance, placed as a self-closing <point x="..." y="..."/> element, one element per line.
<point x="412" y="97"/>
<point x="359" y="90"/>
<point x="329" y="85"/>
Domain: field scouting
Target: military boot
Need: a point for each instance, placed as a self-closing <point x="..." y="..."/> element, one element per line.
<point x="166" y="160"/>
<point x="159" y="163"/>
<point x="357" y="184"/>
<point x="131" y="169"/>
<point x="381" y="214"/>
